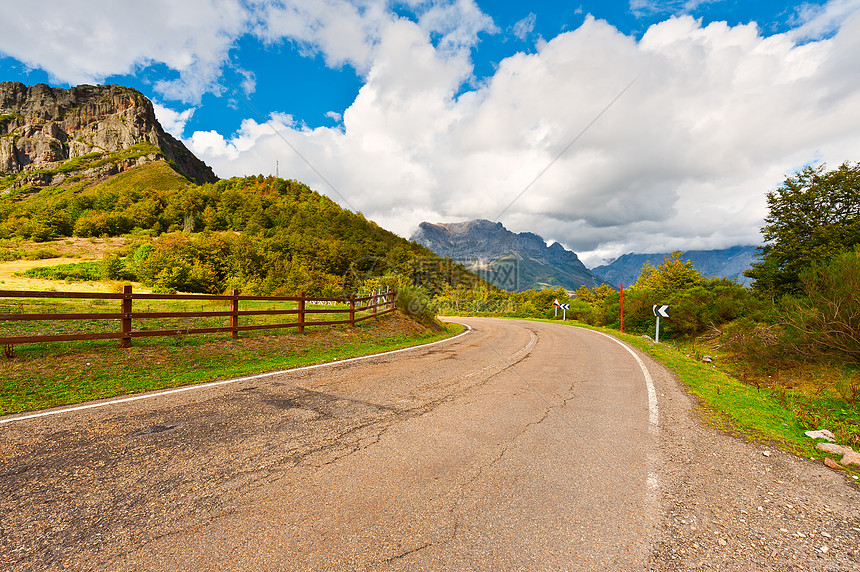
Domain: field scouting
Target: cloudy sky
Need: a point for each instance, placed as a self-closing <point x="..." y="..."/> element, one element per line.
<point x="609" y="126"/>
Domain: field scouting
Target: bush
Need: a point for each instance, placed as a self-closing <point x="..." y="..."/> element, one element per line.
<point x="827" y="319"/>
<point x="113" y="267"/>
<point x="414" y="301"/>
<point x="78" y="272"/>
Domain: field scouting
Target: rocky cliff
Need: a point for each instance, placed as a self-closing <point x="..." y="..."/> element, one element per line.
<point x="512" y="261"/>
<point x="43" y="130"/>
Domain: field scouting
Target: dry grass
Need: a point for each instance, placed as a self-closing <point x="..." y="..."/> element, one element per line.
<point x="86" y="248"/>
<point x="9" y="281"/>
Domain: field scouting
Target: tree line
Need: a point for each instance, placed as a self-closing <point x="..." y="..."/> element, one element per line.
<point x="804" y="302"/>
<point x="258" y="234"/>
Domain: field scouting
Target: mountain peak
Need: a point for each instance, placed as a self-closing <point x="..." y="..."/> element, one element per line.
<point x="486" y="247"/>
<point x="44" y="130"/>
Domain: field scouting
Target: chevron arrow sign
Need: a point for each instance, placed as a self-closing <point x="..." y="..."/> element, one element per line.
<point x="564" y="306"/>
<point x="661" y="311"/>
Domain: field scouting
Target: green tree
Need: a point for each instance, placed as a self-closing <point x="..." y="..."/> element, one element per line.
<point x="669" y="276"/>
<point x="813" y="216"/>
<point x="594" y="296"/>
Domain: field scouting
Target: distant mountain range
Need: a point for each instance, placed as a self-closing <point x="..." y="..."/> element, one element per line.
<point x="728" y="263"/>
<point x="521" y="261"/>
<point x="511" y="261"/>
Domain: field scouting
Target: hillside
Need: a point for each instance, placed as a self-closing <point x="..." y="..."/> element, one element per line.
<point x="93" y="162"/>
<point x="259" y="234"/>
<point x="728" y="263"/>
<point x="511" y="261"/>
<point x="60" y="137"/>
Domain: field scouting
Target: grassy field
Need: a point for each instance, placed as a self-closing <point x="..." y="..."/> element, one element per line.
<point x="59" y="305"/>
<point x="16" y="258"/>
<point x="55" y="374"/>
<point x="50" y="375"/>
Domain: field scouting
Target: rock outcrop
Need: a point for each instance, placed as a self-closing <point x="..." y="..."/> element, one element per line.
<point x="42" y="128"/>
<point x="511" y="261"/>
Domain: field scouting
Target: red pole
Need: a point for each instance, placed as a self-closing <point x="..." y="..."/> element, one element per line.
<point x="622" y="308"/>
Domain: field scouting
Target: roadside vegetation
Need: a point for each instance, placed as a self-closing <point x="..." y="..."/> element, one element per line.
<point x="261" y="235"/>
<point x="51" y="375"/>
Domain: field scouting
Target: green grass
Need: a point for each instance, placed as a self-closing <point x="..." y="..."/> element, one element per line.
<point x="88" y="271"/>
<point x="157" y="175"/>
<point x="72" y="305"/>
<point x="36" y="380"/>
<point x="732" y="404"/>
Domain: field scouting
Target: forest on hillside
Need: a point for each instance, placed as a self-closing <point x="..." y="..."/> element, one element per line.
<point x="258" y="234"/>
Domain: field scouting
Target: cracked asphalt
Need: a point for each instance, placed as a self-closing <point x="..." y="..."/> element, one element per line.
<point x="519" y="446"/>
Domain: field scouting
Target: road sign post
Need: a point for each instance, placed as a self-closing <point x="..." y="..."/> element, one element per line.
<point x="659" y="310"/>
<point x="564" y="309"/>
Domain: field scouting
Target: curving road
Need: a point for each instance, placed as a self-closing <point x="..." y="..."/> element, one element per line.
<point x="520" y="445"/>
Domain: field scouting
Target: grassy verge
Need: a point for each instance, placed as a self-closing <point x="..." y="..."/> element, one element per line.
<point x="40" y="379"/>
<point x="91" y="326"/>
<point x="763" y="414"/>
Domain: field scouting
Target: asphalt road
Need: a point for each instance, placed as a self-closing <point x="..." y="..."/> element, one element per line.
<point x="520" y="445"/>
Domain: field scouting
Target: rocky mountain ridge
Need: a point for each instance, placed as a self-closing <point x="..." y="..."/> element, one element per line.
<point x="45" y="131"/>
<point x="511" y="261"/>
<point x="726" y="262"/>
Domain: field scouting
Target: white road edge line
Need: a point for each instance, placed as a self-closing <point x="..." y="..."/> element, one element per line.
<point x="653" y="415"/>
<point x="226" y="381"/>
<point x="652" y="482"/>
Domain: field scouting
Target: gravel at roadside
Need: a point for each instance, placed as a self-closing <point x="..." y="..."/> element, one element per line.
<point x="731" y="504"/>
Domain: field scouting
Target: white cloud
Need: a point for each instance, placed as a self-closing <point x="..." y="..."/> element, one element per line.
<point x="77" y="44"/>
<point x="194" y="38"/>
<point x="173" y="121"/>
<point x="348" y="32"/>
<point x="525" y="26"/>
<point x="814" y="21"/>
<point x="719" y="115"/>
<point x="343" y="32"/>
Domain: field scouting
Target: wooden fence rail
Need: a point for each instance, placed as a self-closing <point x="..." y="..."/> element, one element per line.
<point x="374" y="305"/>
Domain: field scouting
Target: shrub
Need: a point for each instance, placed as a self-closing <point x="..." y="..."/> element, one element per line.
<point x="827" y="319"/>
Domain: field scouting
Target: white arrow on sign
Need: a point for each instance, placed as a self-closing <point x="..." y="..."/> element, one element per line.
<point x="565" y="306"/>
<point x="661" y="311"/>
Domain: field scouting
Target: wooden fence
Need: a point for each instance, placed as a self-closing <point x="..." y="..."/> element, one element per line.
<point x="358" y="308"/>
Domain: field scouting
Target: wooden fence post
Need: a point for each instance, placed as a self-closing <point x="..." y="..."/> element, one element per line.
<point x="352" y="310"/>
<point x="302" y="313"/>
<point x="374" y="301"/>
<point x="125" y="327"/>
<point x="234" y="314"/>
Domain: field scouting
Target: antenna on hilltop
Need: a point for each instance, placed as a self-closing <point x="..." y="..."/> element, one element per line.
<point x="277" y="175"/>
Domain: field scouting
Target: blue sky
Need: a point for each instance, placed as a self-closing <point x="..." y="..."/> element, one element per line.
<point x="609" y="126"/>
